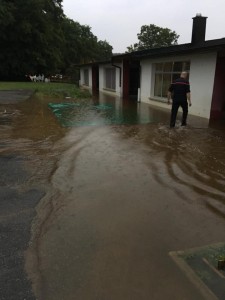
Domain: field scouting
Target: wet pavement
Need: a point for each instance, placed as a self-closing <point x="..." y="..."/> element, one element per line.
<point x="117" y="199"/>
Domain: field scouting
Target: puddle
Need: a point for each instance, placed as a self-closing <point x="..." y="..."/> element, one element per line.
<point x="89" y="114"/>
<point x="122" y="191"/>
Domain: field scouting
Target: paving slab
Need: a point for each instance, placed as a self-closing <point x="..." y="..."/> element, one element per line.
<point x="201" y="266"/>
<point x="14" y="96"/>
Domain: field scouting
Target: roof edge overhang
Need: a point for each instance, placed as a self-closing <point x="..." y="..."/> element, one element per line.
<point x="96" y="63"/>
<point x="207" y="46"/>
<point x="183" y="49"/>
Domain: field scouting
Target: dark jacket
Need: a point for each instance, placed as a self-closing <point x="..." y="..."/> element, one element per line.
<point x="179" y="89"/>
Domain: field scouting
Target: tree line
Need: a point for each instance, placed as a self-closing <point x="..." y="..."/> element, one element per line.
<point x="36" y="37"/>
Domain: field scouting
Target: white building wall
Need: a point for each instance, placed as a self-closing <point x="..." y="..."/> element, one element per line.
<point x="146" y="79"/>
<point x="101" y="78"/>
<point x="118" y="87"/>
<point x="81" y="82"/>
<point x="90" y="77"/>
<point x="202" y="73"/>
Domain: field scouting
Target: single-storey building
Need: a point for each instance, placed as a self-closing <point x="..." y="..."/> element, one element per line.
<point x="147" y="74"/>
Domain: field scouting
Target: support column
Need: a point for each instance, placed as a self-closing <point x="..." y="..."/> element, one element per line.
<point x="95" y="79"/>
<point x="126" y="78"/>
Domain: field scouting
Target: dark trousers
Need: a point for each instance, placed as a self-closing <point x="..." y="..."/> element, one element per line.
<point x="175" y="107"/>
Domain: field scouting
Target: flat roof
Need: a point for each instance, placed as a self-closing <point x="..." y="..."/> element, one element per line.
<point x="218" y="44"/>
<point x="206" y="46"/>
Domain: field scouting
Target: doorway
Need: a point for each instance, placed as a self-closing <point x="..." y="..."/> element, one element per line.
<point x="218" y="99"/>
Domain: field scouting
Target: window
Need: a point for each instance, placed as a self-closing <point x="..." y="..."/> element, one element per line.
<point x="110" y="78"/>
<point x="165" y="73"/>
<point x="86" y="76"/>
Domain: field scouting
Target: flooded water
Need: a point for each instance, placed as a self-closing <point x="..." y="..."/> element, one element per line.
<point x="122" y="191"/>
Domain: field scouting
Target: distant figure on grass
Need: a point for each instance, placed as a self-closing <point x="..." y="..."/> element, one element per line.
<point x="34" y="78"/>
<point x="179" y="92"/>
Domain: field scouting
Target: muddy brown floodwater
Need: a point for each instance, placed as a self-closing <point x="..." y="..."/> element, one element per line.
<point x="119" y="198"/>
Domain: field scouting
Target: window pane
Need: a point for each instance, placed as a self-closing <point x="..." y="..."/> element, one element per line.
<point x="186" y="66"/>
<point x="158" y="85"/>
<point x="110" y="78"/>
<point x="166" y="84"/>
<point x="159" y="67"/>
<point x="166" y="73"/>
<point x="168" y="67"/>
<point x="113" y="79"/>
<point x="178" y="66"/>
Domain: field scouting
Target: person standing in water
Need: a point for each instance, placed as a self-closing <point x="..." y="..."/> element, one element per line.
<point x="179" y="92"/>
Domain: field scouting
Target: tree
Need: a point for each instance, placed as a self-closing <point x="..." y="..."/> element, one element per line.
<point x="81" y="45"/>
<point x="36" y="37"/>
<point x="152" y="36"/>
<point x="30" y="36"/>
<point x="104" y="50"/>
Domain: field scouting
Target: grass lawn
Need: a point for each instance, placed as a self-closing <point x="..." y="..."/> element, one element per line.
<point x="47" y="89"/>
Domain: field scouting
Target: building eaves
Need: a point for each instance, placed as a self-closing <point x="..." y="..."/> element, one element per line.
<point x="96" y="63"/>
<point x="206" y="46"/>
<point x="218" y="44"/>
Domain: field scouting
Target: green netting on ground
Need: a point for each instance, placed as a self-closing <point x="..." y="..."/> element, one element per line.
<point x="71" y="114"/>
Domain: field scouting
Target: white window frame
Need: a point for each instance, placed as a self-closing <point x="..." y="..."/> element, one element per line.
<point x="184" y="67"/>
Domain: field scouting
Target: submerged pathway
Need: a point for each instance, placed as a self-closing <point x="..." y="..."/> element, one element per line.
<point x="104" y="206"/>
<point x="122" y="199"/>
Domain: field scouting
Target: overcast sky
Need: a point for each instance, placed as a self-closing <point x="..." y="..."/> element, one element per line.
<point x="119" y="21"/>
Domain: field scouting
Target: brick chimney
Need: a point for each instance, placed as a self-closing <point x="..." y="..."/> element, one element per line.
<point x="198" y="29"/>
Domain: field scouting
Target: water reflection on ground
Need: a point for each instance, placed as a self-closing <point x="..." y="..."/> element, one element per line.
<point x="109" y="110"/>
<point x="120" y="196"/>
<point x="71" y="114"/>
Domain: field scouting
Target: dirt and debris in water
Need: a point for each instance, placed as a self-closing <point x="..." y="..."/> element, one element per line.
<point x="118" y="199"/>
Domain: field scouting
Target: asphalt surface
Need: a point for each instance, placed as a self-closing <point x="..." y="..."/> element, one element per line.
<point x="17" y="209"/>
<point x="15" y="96"/>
